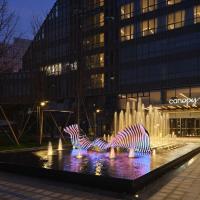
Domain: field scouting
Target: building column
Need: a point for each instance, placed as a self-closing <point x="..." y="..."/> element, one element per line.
<point x="189" y="16"/>
<point x="137" y="10"/>
<point x="162" y="20"/>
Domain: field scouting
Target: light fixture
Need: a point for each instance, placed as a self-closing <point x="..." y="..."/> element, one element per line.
<point x="98" y="111"/>
<point x="43" y="103"/>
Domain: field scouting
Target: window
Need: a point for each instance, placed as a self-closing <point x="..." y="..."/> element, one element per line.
<point x="155" y="97"/>
<point x="149" y="27"/>
<point x="197" y="14"/>
<point x="95" y="20"/>
<point x="95" y="3"/>
<point x="95" y="61"/>
<point x="94" y="41"/>
<point x="127" y="32"/>
<point x="195" y="92"/>
<point x="176" y="20"/>
<point x="172" y="2"/>
<point x="127" y="11"/>
<point x="55" y="69"/>
<point x="148" y="5"/>
<point x="97" y="81"/>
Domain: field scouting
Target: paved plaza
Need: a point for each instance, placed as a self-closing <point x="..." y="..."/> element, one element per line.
<point x="184" y="185"/>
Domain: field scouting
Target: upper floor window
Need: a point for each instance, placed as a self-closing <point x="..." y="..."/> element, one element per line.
<point x="55" y="69"/>
<point x="127" y="32"/>
<point x="94" y="3"/>
<point x="94" y="41"/>
<point x="149" y="27"/>
<point x="197" y="14"/>
<point x="176" y="20"/>
<point x="97" y="81"/>
<point x="172" y="2"/>
<point x="95" y="20"/>
<point x="148" y="5"/>
<point x="127" y="11"/>
<point x="95" y="61"/>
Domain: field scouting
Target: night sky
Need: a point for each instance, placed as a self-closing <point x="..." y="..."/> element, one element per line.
<point x="25" y="9"/>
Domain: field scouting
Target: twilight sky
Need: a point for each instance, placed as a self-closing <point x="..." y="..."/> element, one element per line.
<point x="25" y="9"/>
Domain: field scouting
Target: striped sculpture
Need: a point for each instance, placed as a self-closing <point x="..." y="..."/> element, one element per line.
<point x="134" y="138"/>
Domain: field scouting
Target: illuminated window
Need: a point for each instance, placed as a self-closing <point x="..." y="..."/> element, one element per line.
<point x="100" y="39"/>
<point x="176" y="20"/>
<point x="149" y="27"/>
<point x="127" y="32"/>
<point x="95" y="61"/>
<point x="155" y="97"/>
<point x="97" y="81"/>
<point x="172" y="2"/>
<point x="127" y="11"/>
<point x="148" y="5"/>
<point x="197" y="14"/>
<point x="55" y="69"/>
<point x="100" y="2"/>
<point x="99" y="19"/>
<point x="95" y="3"/>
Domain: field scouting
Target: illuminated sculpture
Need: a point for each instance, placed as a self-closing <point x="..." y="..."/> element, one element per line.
<point x="134" y="138"/>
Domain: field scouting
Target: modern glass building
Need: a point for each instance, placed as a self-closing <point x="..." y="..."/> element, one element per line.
<point x="110" y="51"/>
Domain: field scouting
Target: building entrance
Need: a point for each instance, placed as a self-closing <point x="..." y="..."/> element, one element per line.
<point x="185" y="126"/>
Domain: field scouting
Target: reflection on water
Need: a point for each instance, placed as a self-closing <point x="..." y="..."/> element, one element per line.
<point x="96" y="163"/>
<point x="100" y="164"/>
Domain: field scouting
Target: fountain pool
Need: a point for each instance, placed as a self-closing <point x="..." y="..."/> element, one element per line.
<point x="95" y="169"/>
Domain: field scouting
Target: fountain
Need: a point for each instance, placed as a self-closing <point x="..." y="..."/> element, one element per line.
<point x="155" y="121"/>
<point x="60" y="145"/>
<point x="112" y="153"/>
<point x="79" y="155"/>
<point x="50" y="149"/>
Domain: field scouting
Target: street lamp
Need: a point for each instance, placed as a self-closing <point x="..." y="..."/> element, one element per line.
<point x="41" y="118"/>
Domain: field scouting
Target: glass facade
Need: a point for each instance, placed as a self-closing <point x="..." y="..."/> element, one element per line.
<point x="185" y="126"/>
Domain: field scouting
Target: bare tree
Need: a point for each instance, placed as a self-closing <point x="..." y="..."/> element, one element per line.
<point x="37" y="21"/>
<point x="8" y="23"/>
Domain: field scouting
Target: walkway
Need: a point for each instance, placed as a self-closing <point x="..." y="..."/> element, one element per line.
<point x="15" y="187"/>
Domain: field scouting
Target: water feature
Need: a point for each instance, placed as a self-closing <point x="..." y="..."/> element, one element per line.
<point x="60" y="145"/>
<point x="112" y="153"/>
<point x="155" y="122"/>
<point x="50" y="149"/>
